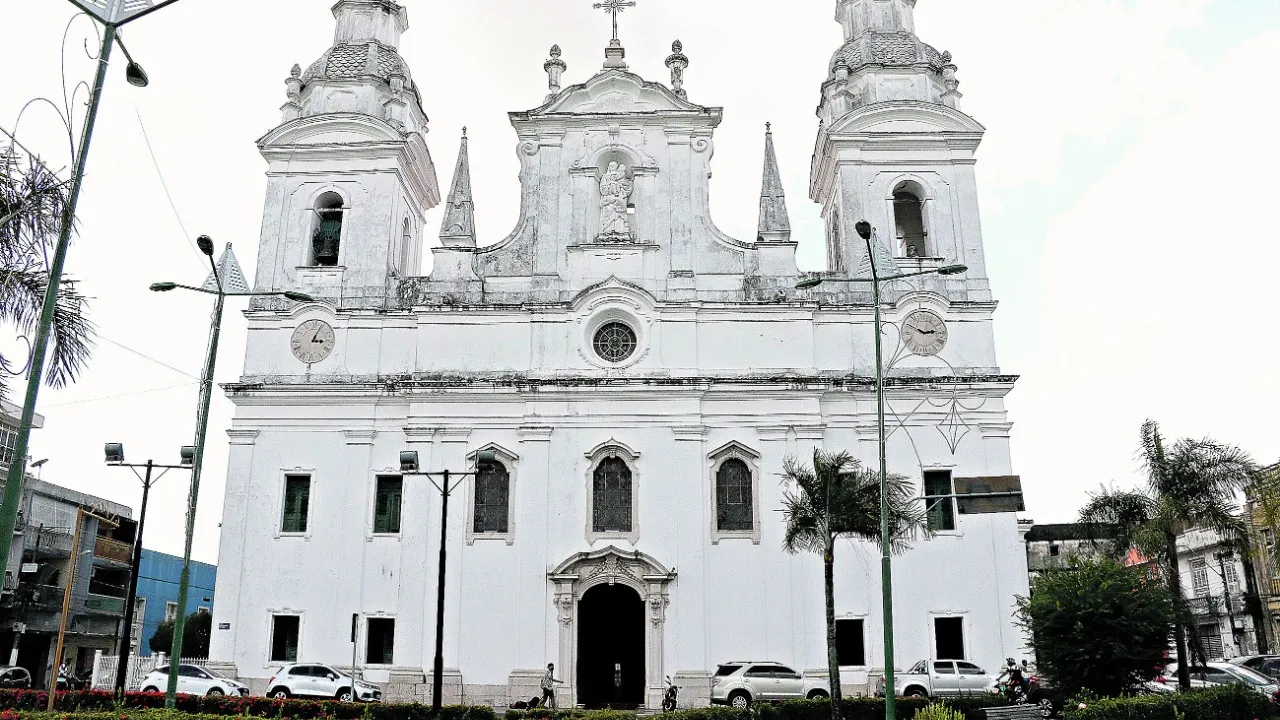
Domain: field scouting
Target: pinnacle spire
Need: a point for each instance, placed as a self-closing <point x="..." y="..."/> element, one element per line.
<point x="774" y="226"/>
<point x="458" y="229"/>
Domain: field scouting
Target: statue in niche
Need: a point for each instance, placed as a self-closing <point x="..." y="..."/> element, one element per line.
<point x="615" y="196"/>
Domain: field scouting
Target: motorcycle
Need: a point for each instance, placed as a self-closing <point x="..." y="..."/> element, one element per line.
<point x="669" y="697"/>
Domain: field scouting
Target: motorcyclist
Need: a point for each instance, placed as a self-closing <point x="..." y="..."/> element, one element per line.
<point x="1017" y="681"/>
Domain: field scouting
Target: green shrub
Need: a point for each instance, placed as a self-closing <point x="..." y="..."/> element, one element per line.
<point x="868" y="708"/>
<point x="1234" y="702"/>
<point x="939" y="711"/>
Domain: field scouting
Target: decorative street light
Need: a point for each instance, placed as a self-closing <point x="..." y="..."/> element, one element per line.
<point x="115" y="457"/>
<point x="886" y="569"/>
<point x="213" y="286"/>
<point x="409" y="466"/>
<point x="113" y="14"/>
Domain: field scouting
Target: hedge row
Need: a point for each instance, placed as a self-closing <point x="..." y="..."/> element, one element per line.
<point x="867" y="708"/>
<point x="91" y="704"/>
<point x="94" y="701"/>
<point x="1232" y="702"/>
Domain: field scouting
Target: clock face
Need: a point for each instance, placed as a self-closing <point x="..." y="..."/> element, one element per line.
<point x="924" y="332"/>
<point x="312" y="341"/>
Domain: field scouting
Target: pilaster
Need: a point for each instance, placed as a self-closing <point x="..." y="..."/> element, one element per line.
<point x="231" y="547"/>
<point x="533" y="512"/>
<point x="689" y="629"/>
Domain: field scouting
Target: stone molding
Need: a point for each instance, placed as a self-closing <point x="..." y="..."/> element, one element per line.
<point x="238" y="436"/>
<point x="360" y="437"/>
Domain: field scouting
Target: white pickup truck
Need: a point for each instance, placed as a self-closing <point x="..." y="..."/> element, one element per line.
<point x="939" y="678"/>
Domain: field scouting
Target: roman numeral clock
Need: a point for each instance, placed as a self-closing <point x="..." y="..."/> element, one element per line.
<point x="312" y="341"/>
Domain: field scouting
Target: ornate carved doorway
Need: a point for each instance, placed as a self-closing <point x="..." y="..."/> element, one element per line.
<point x="611" y="648"/>
<point x="612" y="606"/>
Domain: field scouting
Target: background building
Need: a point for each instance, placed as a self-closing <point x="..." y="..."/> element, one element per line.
<point x="640" y="376"/>
<point x="31" y="606"/>
<point x="158" y="593"/>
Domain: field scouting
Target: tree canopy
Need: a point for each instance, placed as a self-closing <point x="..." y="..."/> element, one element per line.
<point x="1098" y="626"/>
<point x="195" y="635"/>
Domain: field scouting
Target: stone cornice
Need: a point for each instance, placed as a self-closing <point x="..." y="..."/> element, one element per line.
<point x="360" y="437"/>
<point x="239" y="436"/>
<point x="690" y="432"/>
<point x="536" y="433"/>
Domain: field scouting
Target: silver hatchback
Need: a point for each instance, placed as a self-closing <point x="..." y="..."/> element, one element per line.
<point x="741" y="683"/>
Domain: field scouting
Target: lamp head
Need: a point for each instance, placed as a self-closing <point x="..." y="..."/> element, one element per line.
<point x="953" y="269"/>
<point x="136" y="76"/>
<point x="205" y="243"/>
<point x="39" y="462"/>
<point x="808" y="283"/>
<point x="187" y="456"/>
<point x="163" y="286"/>
<point x="114" y="452"/>
<point x="408" y="461"/>
<point x="298" y="297"/>
<point x="864" y="229"/>
<point x="485" y="458"/>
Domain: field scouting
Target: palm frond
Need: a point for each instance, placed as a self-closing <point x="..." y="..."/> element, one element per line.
<point x="1114" y="519"/>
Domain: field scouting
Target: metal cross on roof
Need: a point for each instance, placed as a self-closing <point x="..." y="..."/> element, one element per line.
<point x="613" y="7"/>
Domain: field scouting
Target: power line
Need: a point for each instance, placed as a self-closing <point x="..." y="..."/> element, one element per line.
<point x="172" y="205"/>
<point x="145" y="356"/>
<point x="121" y="395"/>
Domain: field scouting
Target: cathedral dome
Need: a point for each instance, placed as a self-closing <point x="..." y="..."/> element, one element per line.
<point x="888" y="49"/>
<point x="367" y="59"/>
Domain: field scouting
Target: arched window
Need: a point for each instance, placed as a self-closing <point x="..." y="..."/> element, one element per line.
<point x="492" y="498"/>
<point x="406" y="248"/>
<point x="611" y="496"/>
<point x="327" y="237"/>
<point x="908" y="220"/>
<point x="734" y="503"/>
<point x="835" y="249"/>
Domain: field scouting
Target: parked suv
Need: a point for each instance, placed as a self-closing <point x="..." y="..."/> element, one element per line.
<point x="192" y="680"/>
<point x="319" y="681"/>
<point x="741" y="683"/>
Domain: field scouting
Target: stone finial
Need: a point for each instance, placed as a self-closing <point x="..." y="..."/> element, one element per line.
<point x="555" y="67"/>
<point x="458" y="228"/>
<point x="951" y="97"/>
<point x="293" y="91"/>
<point x="678" y="62"/>
<point x="775" y="224"/>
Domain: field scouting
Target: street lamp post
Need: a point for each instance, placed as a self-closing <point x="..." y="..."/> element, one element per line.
<point x="113" y="14"/>
<point x="409" y="466"/>
<point x="115" y="457"/>
<point x="886" y="565"/>
<point x="214" y="287"/>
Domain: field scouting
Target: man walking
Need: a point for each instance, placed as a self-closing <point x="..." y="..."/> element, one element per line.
<point x="549" y="686"/>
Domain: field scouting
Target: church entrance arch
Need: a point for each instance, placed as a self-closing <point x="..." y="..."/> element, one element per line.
<point x="611" y="605"/>
<point x="611" y="648"/>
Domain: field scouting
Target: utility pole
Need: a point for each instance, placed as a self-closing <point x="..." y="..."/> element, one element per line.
<point x="115" y="457"/>
<point x="72" y="565"/>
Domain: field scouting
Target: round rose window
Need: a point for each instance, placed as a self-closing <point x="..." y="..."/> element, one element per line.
<point x="615" y="342"/>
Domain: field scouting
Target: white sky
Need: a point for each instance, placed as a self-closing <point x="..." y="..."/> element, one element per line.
<point x="1130" y="158"/>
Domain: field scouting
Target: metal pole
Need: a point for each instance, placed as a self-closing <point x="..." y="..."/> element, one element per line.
<point x="886" y="569"/>
<point x="13" y="482"/>
<point x="126" y="631"/>
<point x="437" y="681"/>
<point x="66" y="607"/>
<point x="1226" y="599"/>
<point x="202" y="424"/>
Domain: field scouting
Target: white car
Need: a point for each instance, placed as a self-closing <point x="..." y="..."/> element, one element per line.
<point x="318" y="681"/>
<point x="192" y="680"/>
<point x="939" y="678"/>
<point x="1220" y="673"/>
<point x="738" y="684"/>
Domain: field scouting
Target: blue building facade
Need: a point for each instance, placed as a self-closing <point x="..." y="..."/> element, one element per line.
<point x="158" y="578"/>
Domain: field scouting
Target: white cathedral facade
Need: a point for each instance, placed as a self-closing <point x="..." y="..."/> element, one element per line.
<point x="639" y="375"/>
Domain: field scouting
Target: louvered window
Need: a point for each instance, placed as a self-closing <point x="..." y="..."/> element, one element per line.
<point x="734" y="510"/>
<point x="493" y="495"/>
<point x="386" y="507"/>
<point x="297" y="498"/>
<point x="611" y="495"/>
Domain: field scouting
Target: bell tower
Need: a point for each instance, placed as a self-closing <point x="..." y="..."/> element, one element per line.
<point x="350" y="175"/>
<point x="894" y="149"/>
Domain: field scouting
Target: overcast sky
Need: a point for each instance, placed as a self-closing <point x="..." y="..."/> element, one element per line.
<point x="1130" y="159"/>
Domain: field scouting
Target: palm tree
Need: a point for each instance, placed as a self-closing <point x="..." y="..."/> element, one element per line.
<point x="838" y="496"/>
<point x="1190" y="484"/>
<point x="33" y="204"/>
